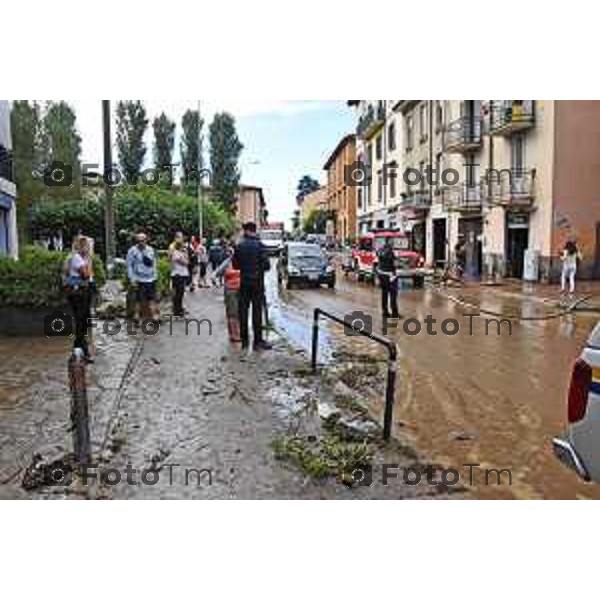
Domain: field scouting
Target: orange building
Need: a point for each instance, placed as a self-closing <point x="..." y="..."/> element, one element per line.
<point x="342" y="198"/>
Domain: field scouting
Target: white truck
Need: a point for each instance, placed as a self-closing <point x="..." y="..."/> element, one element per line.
<point x="271" y="236"/>
<point x="579" y="449"/>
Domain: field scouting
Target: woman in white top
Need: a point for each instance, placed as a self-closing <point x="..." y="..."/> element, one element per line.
<point x="570" y="256"/>
<point x="179" y="258"/>
<point x="78" y="275"/>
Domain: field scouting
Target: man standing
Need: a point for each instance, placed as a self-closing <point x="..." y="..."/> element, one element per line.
<point x="251" y="259"/>
<point x="142" y="273"/>
<point x="388" y="280"/>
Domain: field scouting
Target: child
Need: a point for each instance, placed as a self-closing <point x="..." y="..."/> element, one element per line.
<point x="231" y="295"/>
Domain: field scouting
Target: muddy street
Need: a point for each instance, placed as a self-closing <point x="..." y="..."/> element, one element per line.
<point x="493" y="400"/>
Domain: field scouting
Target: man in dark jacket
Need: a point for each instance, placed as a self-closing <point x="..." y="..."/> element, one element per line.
<point x="251" y="259"/>
<point x="388" y="280"/>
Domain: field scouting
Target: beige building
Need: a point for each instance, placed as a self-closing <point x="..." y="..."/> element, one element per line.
<point x="513" y="179"/>
<point x="316" y="200"/>
<point x="250" y="205"/>
<point x="341" y="197"/>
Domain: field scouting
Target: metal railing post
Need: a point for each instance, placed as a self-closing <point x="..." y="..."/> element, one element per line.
<point x="392" y="364"/>
<point x="315" y="339"/>
<point x="80" y="427"/>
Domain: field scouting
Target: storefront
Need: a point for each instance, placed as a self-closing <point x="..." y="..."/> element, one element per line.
<point x="517" y="241"/>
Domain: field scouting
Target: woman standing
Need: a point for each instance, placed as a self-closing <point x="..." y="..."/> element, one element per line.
<point x="78" y="275"/>
<point x="570" y="256"/>
<point x="179" y="258"/>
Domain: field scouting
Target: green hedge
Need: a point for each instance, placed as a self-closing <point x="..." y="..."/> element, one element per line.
<point x="159" y="212"/>
<point x="35" y="280"/>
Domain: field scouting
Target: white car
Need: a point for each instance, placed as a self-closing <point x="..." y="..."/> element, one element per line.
<point x="272" y="239"/>
<point x="580" y="448"/>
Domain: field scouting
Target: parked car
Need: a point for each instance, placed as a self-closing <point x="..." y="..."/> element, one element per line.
<point x="300" y="262"/>
<point x="579" y="449"/>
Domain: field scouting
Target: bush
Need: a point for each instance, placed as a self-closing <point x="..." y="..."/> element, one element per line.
<point x="158" y="211"/>
<point x="35" y="280"/>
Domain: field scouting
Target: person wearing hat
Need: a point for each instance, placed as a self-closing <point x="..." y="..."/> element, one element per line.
<point x="251" y="259"/>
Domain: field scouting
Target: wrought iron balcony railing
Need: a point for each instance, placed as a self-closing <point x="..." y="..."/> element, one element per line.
<point x="509" y="116"/>
<point x="371" y="121"/>
<point x="513" y="188"/>
<point x="462" y="197"/>
<point x="463" y="135"/>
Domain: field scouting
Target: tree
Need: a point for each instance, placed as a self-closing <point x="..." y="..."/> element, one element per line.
<point x="306" y="185"/>
<point x="316" y="221"/>
<point x="164" y="143"/>
<point x="131" y="127"/>
<point x="225" y="150"/>
<point x="191" y="149"/>
<point x="61" y="143"/>
<point x="25" y="124"/>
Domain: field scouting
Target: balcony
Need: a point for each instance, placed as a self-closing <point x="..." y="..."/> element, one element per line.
<point x="511" y="188"/>
<point x="462" y="198"/>
<point x="416" y="200"/>
<point x="463" y="135"/>
<point x="6" y="164"/>
<point x="371" y="121"/>
<point x="510" y="116"/>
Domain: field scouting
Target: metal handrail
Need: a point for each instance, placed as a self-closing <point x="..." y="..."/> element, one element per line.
<point x="392" y="358"/>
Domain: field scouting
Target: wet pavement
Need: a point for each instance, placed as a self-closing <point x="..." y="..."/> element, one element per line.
<point x="492" y="400"/>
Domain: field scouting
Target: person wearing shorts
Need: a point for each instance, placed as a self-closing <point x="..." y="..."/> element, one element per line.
<point x="143" y="275"/>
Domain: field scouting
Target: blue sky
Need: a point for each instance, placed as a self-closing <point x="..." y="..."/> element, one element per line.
<point x="283" y="139"/>
<point x="288" y="146"/>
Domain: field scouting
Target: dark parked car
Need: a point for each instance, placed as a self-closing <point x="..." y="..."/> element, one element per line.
<point x="304" y="263"/>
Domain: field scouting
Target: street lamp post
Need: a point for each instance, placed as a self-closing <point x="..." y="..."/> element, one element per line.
<point x="200" y="191"/>
<point x="109" y="209"/>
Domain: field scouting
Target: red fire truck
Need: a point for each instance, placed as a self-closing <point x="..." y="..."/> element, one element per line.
<point x="410" y="264"/>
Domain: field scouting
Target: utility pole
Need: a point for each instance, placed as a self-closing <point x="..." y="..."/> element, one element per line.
<point x="109" y="208"/>
<point x="200" y="191"/>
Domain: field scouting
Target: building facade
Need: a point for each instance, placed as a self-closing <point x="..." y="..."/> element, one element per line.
<point x="341" y="195"/>
<point x="250" y="205"/>
<point x="8" y="189"/>
<point x="316" y="200"/>
<point x="511" y="179"/>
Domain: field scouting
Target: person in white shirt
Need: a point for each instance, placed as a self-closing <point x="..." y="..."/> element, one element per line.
<point x="179" y="258"/>
<point x="570" y="256"/>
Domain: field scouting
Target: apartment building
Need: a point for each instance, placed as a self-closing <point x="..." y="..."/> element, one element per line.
<point x="316" y="200"/>
<point x="8" y="189"/>
<point x="379" y="151"/>
<point x="511" y="179"/>
<point x="250" y="205"/>
<point x="341" y="196"/>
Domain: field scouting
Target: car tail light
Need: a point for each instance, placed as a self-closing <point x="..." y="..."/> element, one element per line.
<point x="581" y="380"/>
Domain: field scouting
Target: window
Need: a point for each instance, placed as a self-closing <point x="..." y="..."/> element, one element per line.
<point x="423" y="121"/>
<point x="379" y="187"/>
<point x="518" y="152"/>
<point x="392" y="175"/>
<point x="439" y="116"/>
<point x="409" y="132"/>
<point x="360" y="199"/>
<point x="378" y="147"/>
<point x="392" y="136"/>
<point x="423" y="178"/>
<point x="370" y="154"/>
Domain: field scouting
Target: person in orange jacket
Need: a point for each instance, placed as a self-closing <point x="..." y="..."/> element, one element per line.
<point x="232" y="280"/>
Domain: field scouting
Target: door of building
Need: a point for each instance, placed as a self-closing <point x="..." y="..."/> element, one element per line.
<point x="470" y="230"/>
<point x="517" y="241"/>
<point x="439" y="243"/>
<point x="418" y="238"/>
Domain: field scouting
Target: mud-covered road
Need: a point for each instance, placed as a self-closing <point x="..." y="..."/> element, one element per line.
<point x="494" y="400"/>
